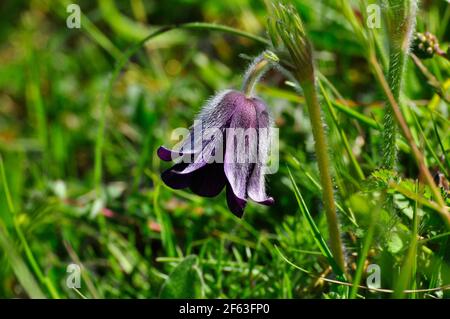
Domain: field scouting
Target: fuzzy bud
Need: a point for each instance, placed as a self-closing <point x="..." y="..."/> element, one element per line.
<point x="426" y="45"/>
<point x="401" y="20"/>
<point x="285" y="28"/>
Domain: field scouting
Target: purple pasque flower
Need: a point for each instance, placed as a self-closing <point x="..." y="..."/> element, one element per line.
<point x="227" y="147"/>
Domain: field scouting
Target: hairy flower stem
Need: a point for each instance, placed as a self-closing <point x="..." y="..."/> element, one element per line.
<point x="401" y="17"/>
<point x="256" y="70"/>
<point x="417" y="154"/>
<point x="286" y="26"/>
<point x="323" y="161"/>
<point x="395" y="76"/>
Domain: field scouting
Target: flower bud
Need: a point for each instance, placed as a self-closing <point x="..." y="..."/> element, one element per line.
<point x="425" y="45"/>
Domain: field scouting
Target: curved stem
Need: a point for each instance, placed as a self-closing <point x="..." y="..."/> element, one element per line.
<point x="254" y="73"/>
<point x="221" y="28"/>
<point x="256" y="70"/>
<point x="323" y="161"/>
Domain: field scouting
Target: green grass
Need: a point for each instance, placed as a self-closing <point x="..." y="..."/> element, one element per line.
<point x="83" y="111"/>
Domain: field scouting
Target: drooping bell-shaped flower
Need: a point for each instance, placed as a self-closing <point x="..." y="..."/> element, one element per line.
<point x="227" y="147"/>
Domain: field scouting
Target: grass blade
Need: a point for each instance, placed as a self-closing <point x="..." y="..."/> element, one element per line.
<point x="20" y="268"/>
<point x="318" y="238"/>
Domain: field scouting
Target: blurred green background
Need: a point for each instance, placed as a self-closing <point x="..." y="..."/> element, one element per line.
<point x="130" y="233"/>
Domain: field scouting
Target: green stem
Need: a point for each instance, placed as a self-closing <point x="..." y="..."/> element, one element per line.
<point x="417" y="154"/>
<point x="401" y="16"/>
<point x="368" y="239"/>
<point x="254" y="74"/>
<point x="256" y="70"/>
<point x="323" y="161"/>
<point x="408" y="269"/>
<point x="28" y="252"/>
<point x="395" y="76"/>
<point x="342" y="134"/>
<point x="34" y="264"/>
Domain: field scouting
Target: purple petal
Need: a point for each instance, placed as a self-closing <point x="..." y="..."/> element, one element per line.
<point x="169" y="155"/>
<point x="263" y="116"/>
<point x="174" y="179"/>
<point x="207" y="155"/>
<point x="190" y="168"/>
<point x="215" y="115"/>
<point x="241" y="149"/>
<point x="238" y="175"/>
<point x="256" y="184"/>
<point x="209" y="180"/>
<point x="235" y="204"/>
<point x="256" y="187"/>
<point x="166" y="154"/>
<point x="217" y="112"/>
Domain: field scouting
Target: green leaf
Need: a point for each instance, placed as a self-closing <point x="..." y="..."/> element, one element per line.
<point x="395" y="243"/>
<point x="379" y="180"/>
<point x="184" y="281"/>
